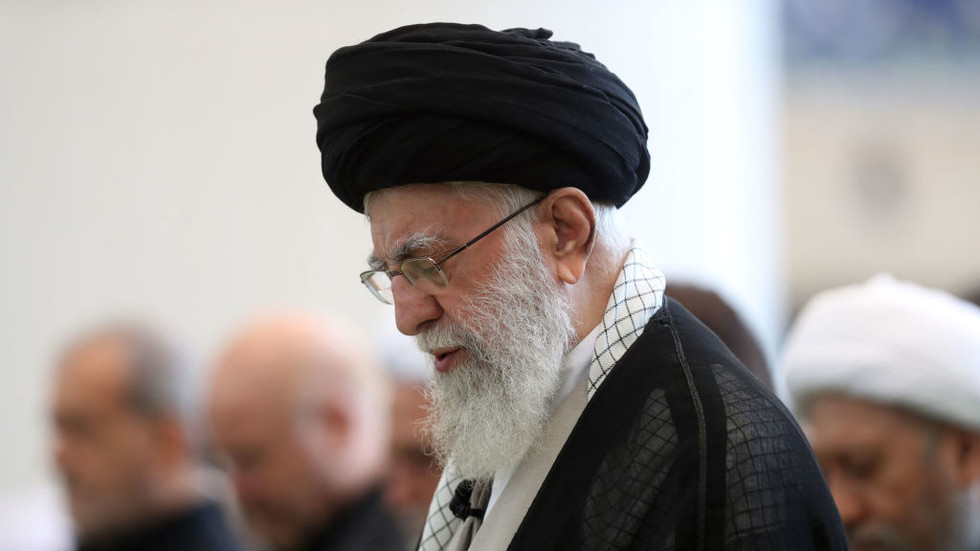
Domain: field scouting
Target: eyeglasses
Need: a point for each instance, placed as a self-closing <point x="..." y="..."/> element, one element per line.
<point x="424" y="272"/>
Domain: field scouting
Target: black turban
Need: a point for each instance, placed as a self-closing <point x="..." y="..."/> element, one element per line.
<point x="445" y="102"/>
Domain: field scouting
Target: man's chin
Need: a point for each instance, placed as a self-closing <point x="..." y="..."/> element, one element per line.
<point x="499" y="444"/>
<point x="276" y="535"/>
<point x="484" y="424"/>
<point x="97" y="523"/>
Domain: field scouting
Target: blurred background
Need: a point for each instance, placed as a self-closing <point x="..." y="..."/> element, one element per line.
<point x="157" y="158"/>
<point x="880" y="143"/>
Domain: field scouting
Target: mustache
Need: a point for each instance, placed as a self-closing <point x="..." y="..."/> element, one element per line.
<point x="451" y="335"/>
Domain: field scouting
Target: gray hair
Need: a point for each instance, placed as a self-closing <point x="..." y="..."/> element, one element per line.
<point x="507" y="198"/>
<point x="161" y="380"/>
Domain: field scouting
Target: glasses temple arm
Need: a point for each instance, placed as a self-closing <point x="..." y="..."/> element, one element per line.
<point x="464" y="246"/>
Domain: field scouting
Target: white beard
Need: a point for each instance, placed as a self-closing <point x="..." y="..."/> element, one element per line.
<point x="487" y="412"/>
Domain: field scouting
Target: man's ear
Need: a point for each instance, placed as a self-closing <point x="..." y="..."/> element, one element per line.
<point x="337" y="423"/>
<point x="567" y="232"/>
<point x="172" y="440"/>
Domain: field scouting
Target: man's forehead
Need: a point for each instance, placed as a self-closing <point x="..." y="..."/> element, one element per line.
<point x="98" y="368"/>
<point x="242" y="413"/>
<point x="412" y="219"/>
<point x="417" y="199"/>
<point x="844" y="419"/>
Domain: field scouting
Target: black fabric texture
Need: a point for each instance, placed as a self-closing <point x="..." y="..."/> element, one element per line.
<point x="445" y="102"/>
<point x="681" y="448"/>
<point x="364" y="526"/>
<point x="201" y="528"/>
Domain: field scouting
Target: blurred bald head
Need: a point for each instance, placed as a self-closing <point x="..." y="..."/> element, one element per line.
<point x="122" y="409"/>
<point x="299" y="411"/>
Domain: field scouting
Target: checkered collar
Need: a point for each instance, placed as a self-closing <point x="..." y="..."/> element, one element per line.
<point x="636" y="297"/>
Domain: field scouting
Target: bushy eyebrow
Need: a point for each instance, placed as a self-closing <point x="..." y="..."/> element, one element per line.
<point x="408" y="247"/>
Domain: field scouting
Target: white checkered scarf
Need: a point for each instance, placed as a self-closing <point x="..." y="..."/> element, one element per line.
<point x="637" y="295"/>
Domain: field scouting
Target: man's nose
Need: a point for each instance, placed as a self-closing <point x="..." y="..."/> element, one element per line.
<point x="413" y="307"/>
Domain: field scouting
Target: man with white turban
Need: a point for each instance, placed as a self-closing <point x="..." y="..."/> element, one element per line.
<point x="886" y="377"/>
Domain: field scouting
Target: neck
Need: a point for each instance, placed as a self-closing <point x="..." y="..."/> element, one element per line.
<point x="353" y="479"/>
<point x="176" y="491"/>
<point x="590" y="295"/>
<point x="169" y="495"/>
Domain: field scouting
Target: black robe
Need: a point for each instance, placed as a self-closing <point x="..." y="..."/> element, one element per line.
<point x="200" y="528"/>
<point x="682" y="448"/>
<point x="365" y="526"/>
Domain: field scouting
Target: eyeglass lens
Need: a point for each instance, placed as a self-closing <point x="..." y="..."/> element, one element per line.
<point x="423" y="273"/>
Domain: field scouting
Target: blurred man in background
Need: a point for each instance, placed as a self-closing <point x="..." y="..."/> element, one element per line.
<point x="414" y="471"/>
<point x="122" y="413"/>
<point x="299" y="412"/>
<point x="886" y="376"/>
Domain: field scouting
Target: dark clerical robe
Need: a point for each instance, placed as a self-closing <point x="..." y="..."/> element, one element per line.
<point x="201" y="528"/>
<point x="682" y="448"/>
<point x="678" y="447"/>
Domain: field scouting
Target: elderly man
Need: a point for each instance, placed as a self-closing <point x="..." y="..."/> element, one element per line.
<point x="575" y="406"/>
<point x="122" y="413"/>
<point x="886" y="376"/>
<point x="299" y="413"/>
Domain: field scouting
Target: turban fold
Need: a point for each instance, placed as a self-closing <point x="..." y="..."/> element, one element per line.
<point x="445" y="102"/>
<point x="889" y="342"/>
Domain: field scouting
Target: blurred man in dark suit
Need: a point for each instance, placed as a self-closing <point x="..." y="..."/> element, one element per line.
<point x="122" y="413"/>
<point x="299" y="413"/>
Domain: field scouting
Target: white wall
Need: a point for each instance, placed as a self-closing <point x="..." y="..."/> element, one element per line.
<point x="881" y="175"/>
<point x="159" y="157"/>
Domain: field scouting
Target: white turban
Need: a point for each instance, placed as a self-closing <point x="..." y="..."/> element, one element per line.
<point x="890" y="342"/>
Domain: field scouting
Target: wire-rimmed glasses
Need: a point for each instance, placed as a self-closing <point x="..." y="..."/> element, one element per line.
<point x="423" y="272"/>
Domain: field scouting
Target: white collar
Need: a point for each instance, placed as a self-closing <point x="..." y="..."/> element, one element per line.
<point x="636" y="297"/>
<point x="575" y="368"/>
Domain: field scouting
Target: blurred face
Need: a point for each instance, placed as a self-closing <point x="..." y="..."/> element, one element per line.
<point x="272" y="457"/>
<point x="104" y="451"/>
<point x="888" y="474"/>
<point x="414" y="474"/>
<point x="497" y="334"/>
